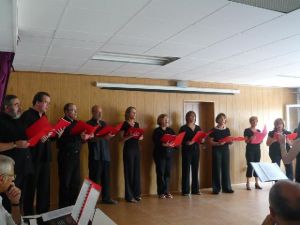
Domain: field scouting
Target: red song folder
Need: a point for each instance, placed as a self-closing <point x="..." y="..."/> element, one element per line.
<point x="83" y="127"/>
<point x="136" y="132"/>
<point x="199" y="136"/>
<point x="107" y="130"/>
<point x="179" y="138"/>
<point x="229" y="139"/>
<point x="168" y="138"/>
<point x="292" y="136"/>
<point x="61" y="124"/>
<point x="259" y="136"/>
<point x="38" y="126"/>
<point x="36" y="138"/>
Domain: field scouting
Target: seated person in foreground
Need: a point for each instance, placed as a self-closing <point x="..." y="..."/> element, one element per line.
<point x="284" y="199"/>
<point x="13" y="193"/>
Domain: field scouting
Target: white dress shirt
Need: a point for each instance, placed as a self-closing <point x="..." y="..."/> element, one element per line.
<point x="5" y="217"/>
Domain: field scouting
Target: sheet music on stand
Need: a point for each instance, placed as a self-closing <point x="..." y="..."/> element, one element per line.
<point x="268" y="171"/>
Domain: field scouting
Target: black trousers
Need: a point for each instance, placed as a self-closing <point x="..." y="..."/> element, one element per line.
<point x="220" y="170"/>
<point x="190" y="160"/>
<point x="252" y="155"/>
<point x="276" y="158"/>
<point x="69" y="178"/>
<point x="99" y="172"/>
<point x="131" y="159"/>
<point x="163" y="174"/>
<point x="37" y="183"/>
<point x="297" y="170"/>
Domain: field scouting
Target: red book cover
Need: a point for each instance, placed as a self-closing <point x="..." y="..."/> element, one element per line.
<point x="179" y="138"/>
<point x="61" y="124"/>
<point x="292" y="136"/>
<point x="107" y="130"/>
<point x="36" y="138"/>
<point x="136" y="132"/>
<point x="119" y="126"/>
<point x="229" y="139"/>
<point x="39" y="125"/>
<point x="259" y="136"/>
<point x="83" y="127"/>
<point x="168" y="138"/>
<point x="199" y="136"/>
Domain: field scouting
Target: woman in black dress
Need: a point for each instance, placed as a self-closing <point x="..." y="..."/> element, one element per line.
<point x="220" y="156"/>
<point x="162" y="155"/>
<point x="274" y="146"/>
<point x="252" y="151"/>
<point x="190" y="155"/>
<point x="131" y="157"/>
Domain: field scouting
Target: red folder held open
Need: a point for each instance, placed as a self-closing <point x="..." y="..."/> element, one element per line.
<point x="199" y="136"/>
<point x="109" y="130"/>
<point x="229" y="139"/>
<point x="292" y="136"/>
<point x="37" y="130"/>
<point x="179" y="138"/>
<point x="61" y="124"/>
<point x="38" y="126"/>
<point x="83" y="127"/>
<point x="136" y="132"/>
<point x="168" y="138"/>
<point x="259" y="136"/>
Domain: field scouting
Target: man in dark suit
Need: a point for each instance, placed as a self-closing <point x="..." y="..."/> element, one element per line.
<point x="13" y="142"/>
<point x="99" y="156"/>
<point x="39" y="182"/>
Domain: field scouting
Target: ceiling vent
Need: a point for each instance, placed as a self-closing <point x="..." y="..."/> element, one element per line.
<point x="283" y="6"/>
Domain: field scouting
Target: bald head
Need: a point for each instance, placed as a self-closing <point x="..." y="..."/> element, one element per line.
<point x="284" y="200"/>
<point x="96" y="112"/>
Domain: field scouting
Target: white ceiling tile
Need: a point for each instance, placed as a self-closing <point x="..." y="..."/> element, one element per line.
<point x="216" y="40"/>
<point x="117" y="7"/>
<point x="173" y="49"/>
<point x="124" y="48"/>
<point x="67" y="52"/>
<point x="38" y="14"/>
<point x="96" y="64"/>
<point x="231" y="20"/>
<point x="71" y="62"/>
<point x="76" y="43"/>
<point x="104" y="24"/>
<point x="81" y="36"/>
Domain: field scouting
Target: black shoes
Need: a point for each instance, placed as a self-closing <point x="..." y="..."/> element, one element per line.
<point x="109" y="201"/>
<point x="215" y="192"/>
<point x="258" y="187"/>
<point x="230" y="191"/>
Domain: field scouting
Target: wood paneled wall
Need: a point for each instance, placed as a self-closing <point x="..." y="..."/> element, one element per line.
<point x="266" y="103"/>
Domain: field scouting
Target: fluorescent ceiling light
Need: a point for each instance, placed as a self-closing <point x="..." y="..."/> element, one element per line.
<point x="284" y="6"/>
<point x="159" y="88"/>
<point x="288" y="76"/>
<point x="133" y="58"/>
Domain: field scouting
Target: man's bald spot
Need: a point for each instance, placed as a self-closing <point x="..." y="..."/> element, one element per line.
<point x="96" y="108"/>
